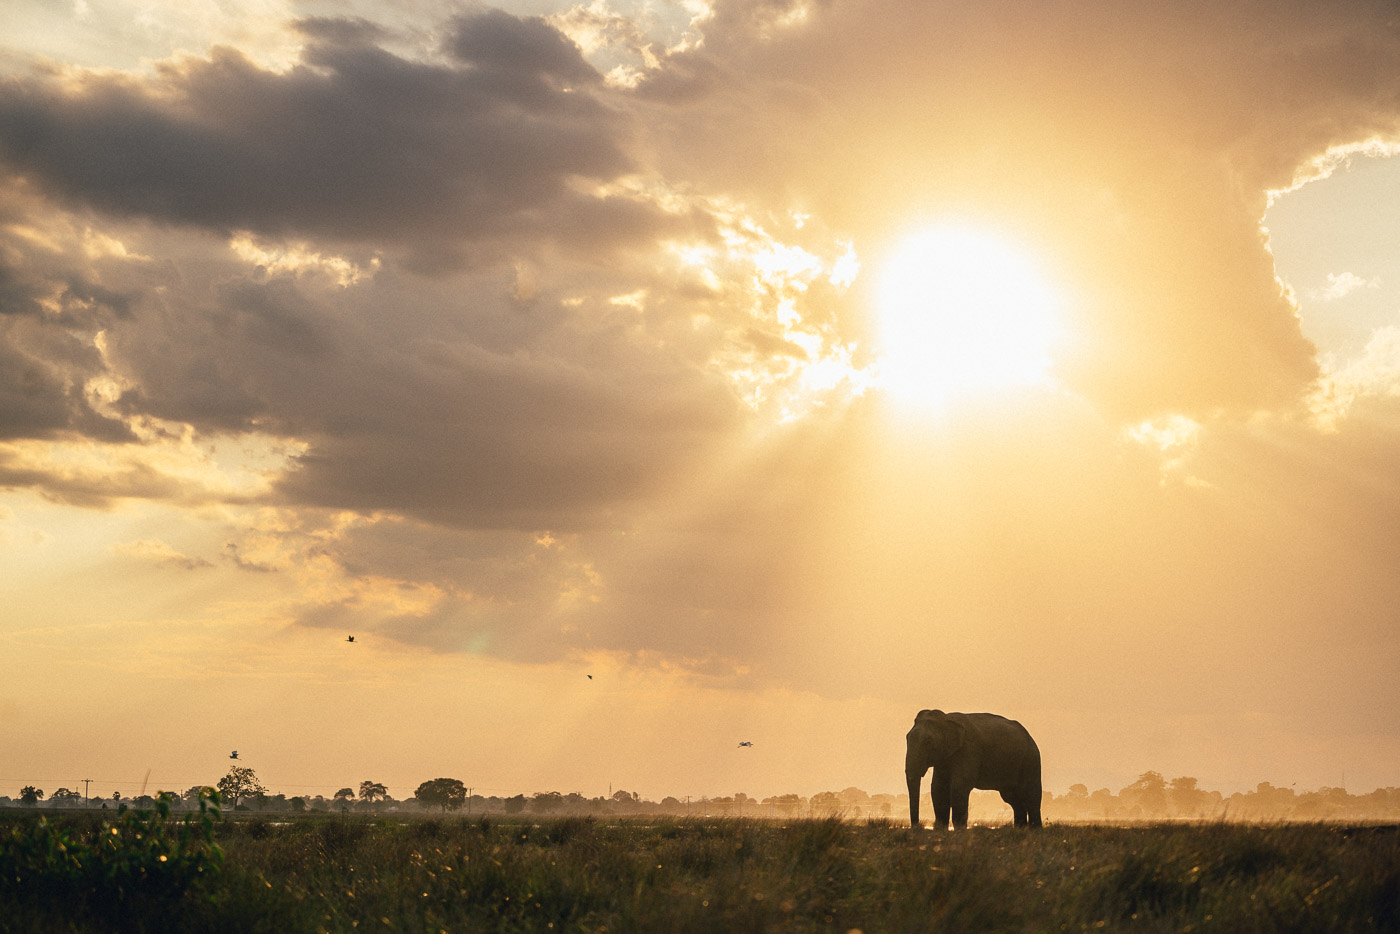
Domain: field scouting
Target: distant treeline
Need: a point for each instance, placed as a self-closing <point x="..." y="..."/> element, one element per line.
<point x="1151" y="797"/>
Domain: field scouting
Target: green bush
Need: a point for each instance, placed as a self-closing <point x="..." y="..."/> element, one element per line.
<point x="140" y="863"/>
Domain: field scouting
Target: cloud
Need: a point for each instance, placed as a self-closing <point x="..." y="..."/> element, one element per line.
<point x="442" y="161"/>
<point x="160" y="553"/>
<point x="1374" y="374"/>
<point x="1340" y="285"/>
<point x="481" y="295"/>
<point x="1135" y="148"/>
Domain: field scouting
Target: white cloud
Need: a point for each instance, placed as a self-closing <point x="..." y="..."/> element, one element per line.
<point x="1173" y="438"/>
<point x="1374" y="374"/>
<point x="1342" y="284"/>
<point x="300" y="258"/>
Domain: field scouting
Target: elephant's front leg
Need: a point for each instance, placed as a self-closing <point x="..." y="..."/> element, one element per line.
<point x="940" y="791"/>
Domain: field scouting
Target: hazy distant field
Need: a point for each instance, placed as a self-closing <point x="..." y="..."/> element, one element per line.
<point x="578" y="874"/>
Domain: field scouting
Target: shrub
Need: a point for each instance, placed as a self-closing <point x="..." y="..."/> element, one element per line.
<point x="136" y="864"/>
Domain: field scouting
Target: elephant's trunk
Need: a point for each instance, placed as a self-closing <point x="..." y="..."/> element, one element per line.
<point x="913" y="775"/>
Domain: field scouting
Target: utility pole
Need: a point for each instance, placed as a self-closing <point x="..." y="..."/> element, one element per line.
<point x="86" y="782"/>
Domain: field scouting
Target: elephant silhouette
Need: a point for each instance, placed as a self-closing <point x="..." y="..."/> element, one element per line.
<point x="967" y="751"/>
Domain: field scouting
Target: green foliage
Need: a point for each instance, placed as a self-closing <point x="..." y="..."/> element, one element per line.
<point x="581" y="874"/>
<point x="142" y="862"/>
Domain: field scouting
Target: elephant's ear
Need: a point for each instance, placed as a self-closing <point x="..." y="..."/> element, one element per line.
<point x="957" y="734"/>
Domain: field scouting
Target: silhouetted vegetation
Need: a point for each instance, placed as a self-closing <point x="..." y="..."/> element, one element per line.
<point x="580" y="874"/>
<point x="128" y="873"/>
<point x="240" y="783"/>
<point x="1151" y="797"/>
<point x="445" y="793"/>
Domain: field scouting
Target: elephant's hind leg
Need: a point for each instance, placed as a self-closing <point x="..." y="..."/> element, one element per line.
<point x="960" y="811"/>
<point x="1019" y="812"/>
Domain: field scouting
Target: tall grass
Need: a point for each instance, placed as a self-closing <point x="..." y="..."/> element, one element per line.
<point x="582" y="874"/>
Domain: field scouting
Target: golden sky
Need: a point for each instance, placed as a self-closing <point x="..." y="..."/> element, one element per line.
<point x="787" y="365"/>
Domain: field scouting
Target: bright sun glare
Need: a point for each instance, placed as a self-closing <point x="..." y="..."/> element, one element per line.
<point x="962" y="313"/>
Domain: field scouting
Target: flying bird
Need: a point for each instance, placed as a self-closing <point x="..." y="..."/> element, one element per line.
<point x="349" y="638"/>
<point x="233" y="755"/>
<point x="590" y="677"/>
<point x="746" y="743"/>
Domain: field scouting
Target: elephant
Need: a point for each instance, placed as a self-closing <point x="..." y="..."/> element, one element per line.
<point x="967" y="751"/>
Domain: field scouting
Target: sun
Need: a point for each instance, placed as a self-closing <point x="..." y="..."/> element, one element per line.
<point x="962" y="313"/>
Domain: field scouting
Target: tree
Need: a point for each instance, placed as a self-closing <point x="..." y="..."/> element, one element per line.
<point x="1149" y="793"/>
<point x="1187" y="800"/>
<point x="29" y="795"/>
<point x="515" y="805"/>
<point x="854" y="800"/>
<point x="373" y="791"/>
<point x="63" y="797"/>
<point x="240" y="783"/>
<point x="442" y="792"/>
<point x="784" y="805"/>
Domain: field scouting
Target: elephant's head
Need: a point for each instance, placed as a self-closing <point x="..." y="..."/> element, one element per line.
<point x="930" y="744"/>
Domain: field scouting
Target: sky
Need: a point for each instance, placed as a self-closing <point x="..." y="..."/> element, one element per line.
<point x="786" y="366"/>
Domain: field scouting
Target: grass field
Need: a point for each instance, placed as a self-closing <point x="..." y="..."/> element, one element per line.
<point x="580" y="874"/>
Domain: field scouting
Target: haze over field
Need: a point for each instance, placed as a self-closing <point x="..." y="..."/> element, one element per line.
<point x="787" y="366"/>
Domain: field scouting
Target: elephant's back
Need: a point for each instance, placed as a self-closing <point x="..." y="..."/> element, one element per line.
<point x="1006" y="734"/>
<point x="994" y="723"/>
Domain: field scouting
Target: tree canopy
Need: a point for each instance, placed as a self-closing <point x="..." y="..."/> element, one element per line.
<point x="446" y="793"/>
<point x="239" y="783"/>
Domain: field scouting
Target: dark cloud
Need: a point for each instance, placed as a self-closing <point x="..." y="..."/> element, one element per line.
<point x="342" y="30"/>
<point x="456" y="406"/>
<point x="34" y="399"/>
<point x="355" y="144"/>
<point x="522" y="48"/>
<point x="48" y="318"/>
